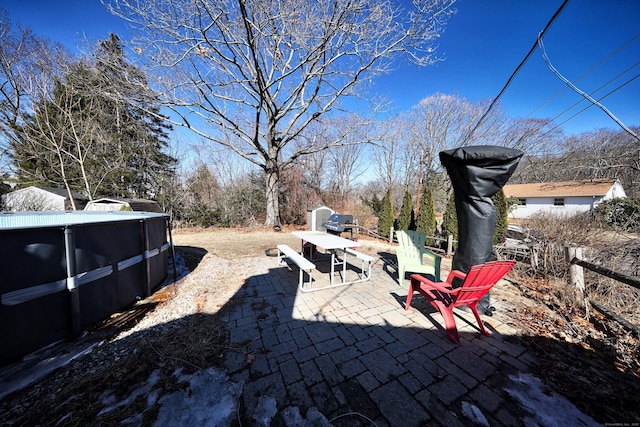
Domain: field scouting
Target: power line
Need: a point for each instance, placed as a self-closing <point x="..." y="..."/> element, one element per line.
<point x="589" y="71"/>
<point x="515" y="72"/>
<point x="598" y="90"/>
<point x="580" y="92"/>
<point x="590" y="105"/>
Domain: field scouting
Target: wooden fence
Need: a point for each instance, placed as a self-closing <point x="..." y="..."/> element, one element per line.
<point x="574" y="256"/>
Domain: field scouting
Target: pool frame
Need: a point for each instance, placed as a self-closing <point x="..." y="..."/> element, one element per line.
<point x="64" y="271"/>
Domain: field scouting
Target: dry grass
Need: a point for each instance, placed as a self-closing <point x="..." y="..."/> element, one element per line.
<point x="615" y="251"/>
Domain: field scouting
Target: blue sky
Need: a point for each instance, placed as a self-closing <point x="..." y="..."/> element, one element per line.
<point x="482" y="45"/>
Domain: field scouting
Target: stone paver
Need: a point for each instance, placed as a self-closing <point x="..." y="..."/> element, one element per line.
<point x="354" y="352"/>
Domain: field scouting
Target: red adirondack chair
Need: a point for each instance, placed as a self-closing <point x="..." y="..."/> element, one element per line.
<point x="475" y="284"/>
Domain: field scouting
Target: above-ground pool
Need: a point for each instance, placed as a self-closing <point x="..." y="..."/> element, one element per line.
<point x="64" y="271"/>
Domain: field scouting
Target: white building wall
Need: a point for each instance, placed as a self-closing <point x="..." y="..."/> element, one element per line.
<point x="572" y="206"/>
<point x="33" y="199"/>
<point x="616" y="191"/>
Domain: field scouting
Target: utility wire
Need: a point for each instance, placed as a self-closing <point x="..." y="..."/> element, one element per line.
<point x="598" y="90"/>
<point x="513" y="75"/>
<point x="575" y="88"/>
<point x="589" y="71"/>
<point x="591" y="105"/>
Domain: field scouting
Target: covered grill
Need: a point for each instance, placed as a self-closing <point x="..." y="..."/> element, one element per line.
<point x="339" y="223"/>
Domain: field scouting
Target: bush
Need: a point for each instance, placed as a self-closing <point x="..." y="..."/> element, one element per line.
<point x="406" y="219"/>
<point x="622" y="214"/>
<point x="385" y="219"/>
<point x="502" y="217"/>
<point x="426" y="220"/>
<point x="201" y="215"/>
<point x="450" y="220"/>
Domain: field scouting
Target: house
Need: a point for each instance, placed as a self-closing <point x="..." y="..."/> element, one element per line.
<point x="41" y="199"/>
<point x="567" y="198"/>
<point x="121" y="204"/>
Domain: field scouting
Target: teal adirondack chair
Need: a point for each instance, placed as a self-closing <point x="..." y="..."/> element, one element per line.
<point x="411" y="253"/>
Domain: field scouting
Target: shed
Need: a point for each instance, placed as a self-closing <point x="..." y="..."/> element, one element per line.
<point x="138" y="205"/>
<point x="317" y="216"/>
<point x="42" y="199"/>
<point x="563" y="198"/>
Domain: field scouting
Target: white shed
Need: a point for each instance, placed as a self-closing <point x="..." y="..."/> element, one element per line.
<point x="41" y="199"/>
<point x="566" y="198"/>
<point x="107" y="204"/>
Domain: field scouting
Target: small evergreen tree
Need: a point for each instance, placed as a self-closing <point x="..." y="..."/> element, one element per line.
<point x="450" y="219"/>
<point x="426" y="221"/>
<point x="385" y="219"/>
<point x="375" y="204"/>
<point x="502" y="217"/>
<point x="406" y="219"/>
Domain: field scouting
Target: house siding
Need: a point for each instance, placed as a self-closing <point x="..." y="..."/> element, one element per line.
<point x="32" y="198"/>
<point x="572" y="206"/>
<point x="38" y="199"/>
<point x="540" y="197"/>
<point x="616" y="191"/>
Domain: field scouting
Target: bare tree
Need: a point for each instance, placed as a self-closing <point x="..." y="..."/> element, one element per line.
<point x="346" y="161"/>
<point x="29" y="65"/>
<point x="440" y="121"/>
<point x="252" y="75"/>
<point x="590" y="155"/>
<point x="387" y="148"/>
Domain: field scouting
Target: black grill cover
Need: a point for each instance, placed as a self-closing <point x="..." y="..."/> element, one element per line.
<point x="477" y="173"/>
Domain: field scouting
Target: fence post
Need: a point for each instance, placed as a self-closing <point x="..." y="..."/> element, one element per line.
<point x="576" y="272"/>
<point x="449" y="245"/>
<point x="534" y="257"/>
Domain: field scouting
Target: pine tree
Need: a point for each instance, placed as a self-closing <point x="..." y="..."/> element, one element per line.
<point x="135" y="127"/>
<point x="450" y="219"/>
<point x="375" y="204"/>
<point x="406" y="219"/>
<point x="99" y="131"/>
<point x="385" y="219"/>
<point x="426" y="221"/>
<point x="502" y="217"/>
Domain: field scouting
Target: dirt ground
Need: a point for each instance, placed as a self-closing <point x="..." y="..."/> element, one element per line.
<point x="250" y="242"/>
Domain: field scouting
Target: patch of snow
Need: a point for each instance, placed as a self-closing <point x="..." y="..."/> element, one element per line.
<point x="179" y="269"/>
<point x="109" y="399"/>
<point x="292" y="418"/>
<point x="474" y="414"/>
<point x="546" y="408"/>
<point x="265" y="410"/>
<point x="209" y="400"/>
<point x="16" y="377"/>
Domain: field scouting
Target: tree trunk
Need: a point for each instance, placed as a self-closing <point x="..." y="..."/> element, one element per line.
<point x="272" y="190"/>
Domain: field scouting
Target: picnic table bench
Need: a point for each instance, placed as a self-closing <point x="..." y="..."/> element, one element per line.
<point x="339" y="249"/>
<point x="365" y="259"/>
<point x="304" y="265"/>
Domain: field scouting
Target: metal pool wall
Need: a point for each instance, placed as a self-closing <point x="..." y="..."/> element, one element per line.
<point x="63" y="271"/>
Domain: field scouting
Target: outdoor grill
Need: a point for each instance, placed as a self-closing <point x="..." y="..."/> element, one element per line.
<point x="339" y="223"/>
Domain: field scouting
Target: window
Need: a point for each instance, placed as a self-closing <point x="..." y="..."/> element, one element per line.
<point x="558" y="202"/>
<point x="522" y="201"/>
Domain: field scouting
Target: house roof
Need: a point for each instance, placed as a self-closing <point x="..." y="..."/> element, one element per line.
<point x="134" y="204"/>
<point x="63" y="192"/>
<point x="595" y="187"/>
